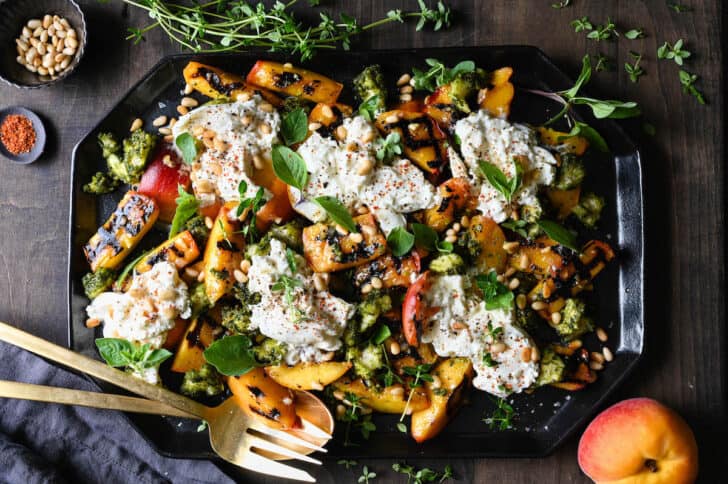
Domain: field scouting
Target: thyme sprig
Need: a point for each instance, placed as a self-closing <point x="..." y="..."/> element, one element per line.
<point x="236" y="25"/>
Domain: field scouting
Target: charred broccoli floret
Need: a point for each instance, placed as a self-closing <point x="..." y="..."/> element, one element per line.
<point x="199" y="301"/>
<point x="205" y="381"/>
<point x="236" y="318"/>
<point x="109" y="145"/>
<point x="101" y="183"/>
<point x="198" y="229"/>
<point x="136" y="148"/>
<point x="531" y="213"/>
<point x="270" y="351"/>
<point x="94" y="283"/>
<point x="552" y="368"/>
<point x="290" y="234"/>
<point x="370" y="89"/>
<point x="366" y="360"/>
<point x="291" y="103"/>
<point x="570" y="174"/>
<point x="449" y="264"/>
<point x="573" y="322"/>
<point x="589" y="209"/>
<point x="464" y="86"/>
<point x="367" y="314"/>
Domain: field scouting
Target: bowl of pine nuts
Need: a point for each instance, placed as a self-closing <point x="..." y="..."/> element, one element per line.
<point x="41" y="42"/>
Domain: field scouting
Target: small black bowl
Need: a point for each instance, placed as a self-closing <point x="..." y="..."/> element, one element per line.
<point x="40" y="136"/>
<point x="14" y="14"/>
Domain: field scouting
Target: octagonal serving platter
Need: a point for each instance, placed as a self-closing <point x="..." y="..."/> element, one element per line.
<point x="543" y="419"/>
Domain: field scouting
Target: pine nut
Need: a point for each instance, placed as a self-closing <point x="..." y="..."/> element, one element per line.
<point x="314" y="126"/>
<point x="458" y="325"/>
<point x="338" y="394"/>
<point x="258" y="162"/>
<point x="266" y="107"/>
<point x="341" y="230"/>
<point x="265" y="128"/>
<point x="391" y="119"/>
<point x="366" y="288"/>
<point x="396" y="390"/>
<point x="608" y="355"/>
<point x="172" y="122"/>
<point x="340" y="410"/>
<point x="341" y="132"/>
<point x="239" y="276"/>
<point x="602" y="335"/>
<point x="191" y="272"/>
<point x="526" y="354"/>
<point x="596" y="356"/>
<point x="22" y="44"/>
<point x="61" y="34"/>
<point x="165" y="131"/>
<point x="538" y="305"/>
<point x="515" y="282"/>
<point x="596" y="366"/>
<point x="201" y="276"/>
<point x="69" y="42"/>
<point x="521" y="301"/>
<point x="451" y="238"/>
<point x="327" y="111"/>
<point x="136" y="124"/>
<point x="319" y="283"/>
<point x="436" y="381"/>
<point x="20" y="60"/>
<point x="64" y="63"/>
<point x="208" y="223"/>
<point x="465" y="221"/>
<point x="404" y="79"/>
<point x="160" y="121"/>
<point x="376" y="282"/>
<point x="219" y="144"/>
<point x="356" y="237"/>
<point x="92" y="322"/>
<point x="556" y="318"/>
<point x="405" y="97"/>
<point x="365" y="167"/>
<point x="182" y="110"/>
<point x="64" y="23"/>
<point x="450" y="232"/>
<point x="242" y="97"/>
<point x="189" y="102"/>
<point x="37" y="32"/>
<point x="406" y="89"/>
<point x="498" y="347"/>
<point x="394" y="348"/>
<point x="535" y="354"/>
<point x="33" y="23"/>
<point x="500" y="278"/>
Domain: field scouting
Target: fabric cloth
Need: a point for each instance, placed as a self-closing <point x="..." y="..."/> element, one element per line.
<point x="51" y="444"/>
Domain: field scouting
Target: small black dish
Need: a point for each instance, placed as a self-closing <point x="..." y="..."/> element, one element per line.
<point x="40" y="136"/>
<point x="13" y="16"/>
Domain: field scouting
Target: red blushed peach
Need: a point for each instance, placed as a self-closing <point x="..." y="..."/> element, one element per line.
<point x="639" y="441"/>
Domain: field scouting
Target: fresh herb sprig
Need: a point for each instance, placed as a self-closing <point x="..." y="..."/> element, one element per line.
<point x="232" y="355"/>
<point x="354" y="416"/>
<point x="421" y="373"/>
<point x="634" y="70"/>
<point x="687" y="80"/>
<point x="601" y="109"/>
<point x="438" y="74"/>
<point x="495" y="294"/>
<point x="502" y="416"/>
<point x="498" y="180"/>
<point x="187" y="206"/>
<point x="366" y="475"/>
<point x="400" y="241"/>
<point x="424" y="475"/>
<point x="603" y="32"/>
<point x="674" y="51"/>
<point x="122" y="353"/>
<point x="252" y="205"/>
<point x="225" y="26"/>
<point x="389" y="147"/>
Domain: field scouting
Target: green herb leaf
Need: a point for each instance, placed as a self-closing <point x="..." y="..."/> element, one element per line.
<point x="291" y="259"/>
<point x="347" y="463"/>
<point x="231" y="355"/>
<point x="368" y="108"/>
<point x="389" y="147"/>
<point x="581" y="24"/>
<point x="502" y="416"/>
<point x="337" y="212"/>
<point x="583" y="78"/>
<point x="688" y="80"/>
<point x="498" y="180"/>
<point x="676" y="7"/>
<point x="561" y="4"/>
<point x="425" y="237"/>
<point x="438" y="75"/>
<point x="634" y="34"/>
<point x="129" y="268"/>
<point x="517" y="226"/>
<point x="634" y="70"/>
<point x="289" y="167"/>
<point x="294" y="127"/>
<point x="591" y="134"/>
<point x="489" y="361"/>
<point x="381" y="334"/>
<point x="495" y="294"/>
<point x="122" y="353"/>
<point x="558" y="234"/>
<point x="400" y="241"/>
<point x="402" y="427"/>
<point x="187" y="145"/>
<point x="674" y="52"/>
<point x="187" y="206"/>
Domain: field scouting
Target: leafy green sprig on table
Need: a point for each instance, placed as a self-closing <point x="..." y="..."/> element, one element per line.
<point x="226" y="26"/>
<point x="674" y="51"/>
<point x="366" y="475"/>
<point x="601" y="109"/>
<point x="121" y="353"/>
<point x="421" y="373"/>
<point x="687" y="80"/>
<point x="424" y="475"/>
<point x="634" y="70"/>
<point x="354" y="416"/>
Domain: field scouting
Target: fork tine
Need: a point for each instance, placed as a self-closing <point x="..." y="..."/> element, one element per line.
<point x="313" y="430"/>
<point x="264" y="444"/>
<point x="258" y="463"/>
<point x="284" y="436"/>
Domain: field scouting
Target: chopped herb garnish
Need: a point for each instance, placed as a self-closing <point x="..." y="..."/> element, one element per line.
<point x="495" y="294"/>
<point x="502" y="416"/>
<point x="673" y="51"/>
<point x="389" y="147"/>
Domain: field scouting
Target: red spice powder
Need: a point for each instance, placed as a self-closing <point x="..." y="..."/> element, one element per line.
<point x="17" y="134"/>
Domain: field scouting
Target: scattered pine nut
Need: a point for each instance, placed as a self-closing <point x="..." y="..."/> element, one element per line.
<point x="136" y="124"/>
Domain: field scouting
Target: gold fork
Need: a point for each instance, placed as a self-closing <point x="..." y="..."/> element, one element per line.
<point x="234" y="435"/>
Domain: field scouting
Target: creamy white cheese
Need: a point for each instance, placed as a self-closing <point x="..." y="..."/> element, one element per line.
<point x="148" y="310"/>
<point x="496" y="141"/>
<point x="217" y="173"/>
<point x="464" y="327"/>
<point x="311" y="322"/>
<point x="339" y="169"/>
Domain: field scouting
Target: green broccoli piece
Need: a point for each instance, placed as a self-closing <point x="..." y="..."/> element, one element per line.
<point x="371" y="90"/>
<point x="570" y="174"/>
<point x="236" y="318"/>
<point x="94" y="283"/>
<point x="109" y="145"/>
<point x="136" y="148"/>
<point x="531" y="213"/>
<point x="464" y="86"/>
<point x="449" y="264"/>
<point x="198" y="300"/>
<point x="552" y="368"/>
<point x="270" y="351"/>
<point x="371" y="308"/>
<point x="198" y="229"/>
<point x="260" y="249"/>
<point x="205" y="381"/>
<point x="101" y="183"/>
<point x="573" y="322"/>
<point x="242" y="294"/>
<point x="290" y="234"/>
<point x="291" y="103"/>
<point x="366" y="360"/>
<point x="589" y="209"/>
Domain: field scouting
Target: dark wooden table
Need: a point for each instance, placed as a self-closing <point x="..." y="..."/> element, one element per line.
<point x="685" y="362"/>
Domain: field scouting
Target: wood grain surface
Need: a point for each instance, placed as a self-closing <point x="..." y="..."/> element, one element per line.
<point x="685" y="362"/>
